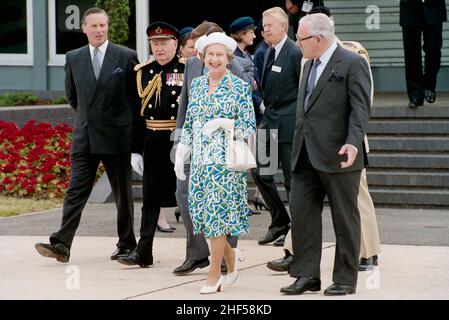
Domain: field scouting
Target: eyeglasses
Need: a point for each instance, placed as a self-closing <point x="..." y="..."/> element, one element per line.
<point x="304" y="38"/>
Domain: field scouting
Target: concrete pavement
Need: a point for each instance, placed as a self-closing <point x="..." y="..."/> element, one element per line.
<point x="406" y="271"/>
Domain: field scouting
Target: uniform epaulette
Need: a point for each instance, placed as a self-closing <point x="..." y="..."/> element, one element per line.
<point x="141" y="65"/>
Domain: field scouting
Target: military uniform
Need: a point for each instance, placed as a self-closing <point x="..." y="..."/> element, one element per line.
<point x="154" y="120"/>
<point x="159" y="88"/>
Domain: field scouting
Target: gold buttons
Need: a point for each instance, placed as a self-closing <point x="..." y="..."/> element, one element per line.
<point x="175" y="71"/>
<point x="172" y="118"/>
<point x="151" y="118"/>
<point x="151" y="71"/>
<point x="173" y="92"/>
<point x="150" y="106"/>
<point x="173" y="105"/>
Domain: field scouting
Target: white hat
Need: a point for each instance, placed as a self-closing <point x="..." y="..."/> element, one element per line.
<point x="214" y="38"/>
<point x="198" y="42"/>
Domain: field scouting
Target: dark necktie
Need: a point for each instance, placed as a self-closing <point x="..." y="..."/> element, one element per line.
<point x="270" y="62"/>
<point x="96" y="64"/>
<point x="311" y="83"/>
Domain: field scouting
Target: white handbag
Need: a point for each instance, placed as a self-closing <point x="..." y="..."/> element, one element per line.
<point x="238" y="155"/>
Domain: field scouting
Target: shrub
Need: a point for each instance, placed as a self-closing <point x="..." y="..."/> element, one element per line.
<point x="18" y="99"/>
<point x="60" y="100"/>
<point x="118" y="12"/>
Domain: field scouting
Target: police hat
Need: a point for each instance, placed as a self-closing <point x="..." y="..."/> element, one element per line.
<point x="162" y="30"/>
<point x="184" y="32"/>
<point x="241" y="24"/>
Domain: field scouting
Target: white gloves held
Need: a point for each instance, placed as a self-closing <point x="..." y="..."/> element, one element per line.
<point x="182" y="155"/>
<point x="137" y="163"/>
<point x="212" y="125"/>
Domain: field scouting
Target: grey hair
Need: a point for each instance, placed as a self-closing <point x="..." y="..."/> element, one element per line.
<point x="320" y="24"/>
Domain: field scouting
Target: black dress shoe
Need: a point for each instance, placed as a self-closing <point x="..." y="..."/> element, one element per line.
<point x="416" y="102"/>
<point x="120" y="252"/>
<point x="303" y="284"/>
<point x="273" y="234"/>
<point x="59" y="251"/>
<point x="279" y="242"/>
<point x="136" y="259"/>
<point x="368" y="264"/>
<point x="339" y="290"/>
<point x="283" y="264"/>
<point x="430" y="96"/>
<point x="190" y="266"/>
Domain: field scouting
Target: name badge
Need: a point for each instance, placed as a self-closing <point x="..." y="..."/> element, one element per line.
<point x="276" y="69"/>
<point x="307" y="6"/>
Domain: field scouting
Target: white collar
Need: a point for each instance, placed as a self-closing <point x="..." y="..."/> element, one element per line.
<point x="101" y="48"/>
<point x="325" y="57"/>
<point x="279" y="46"/>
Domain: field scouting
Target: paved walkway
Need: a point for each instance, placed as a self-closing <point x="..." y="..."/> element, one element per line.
<point x="405" y="271"/>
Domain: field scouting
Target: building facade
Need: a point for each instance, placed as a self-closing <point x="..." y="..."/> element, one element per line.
<point x="35" y="35"/>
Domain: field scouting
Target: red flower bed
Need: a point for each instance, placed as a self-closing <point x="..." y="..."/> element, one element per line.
<point x="34" y="160"/>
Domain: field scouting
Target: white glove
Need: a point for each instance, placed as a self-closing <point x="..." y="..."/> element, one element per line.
<point x="215" y="124"/>
<point x="262" y="108"/>
<point x="182" y="152"/>
<point x="137" y="163"/>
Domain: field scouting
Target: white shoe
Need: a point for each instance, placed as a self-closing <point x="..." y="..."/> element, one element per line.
<point x="216" y="288"/>
<point x="232" y="276"/>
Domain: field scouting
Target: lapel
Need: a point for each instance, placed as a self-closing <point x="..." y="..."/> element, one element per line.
<point x="265" y="58"/>
<point x="109" y="63"/>
<point x="279" y="62"/>
<point x="303" y="85"/>
<point x="87" y="61"/>
<point x="324" y="78"/>
<point x="239" y="53"/>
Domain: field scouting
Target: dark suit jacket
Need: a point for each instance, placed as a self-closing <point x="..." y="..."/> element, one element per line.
<point x="415" y="12"/>
<point x="281" y="91"/>
<point x="338" y="112"/>
<point x="194" y="68"/>
<point x="103" y="120"/>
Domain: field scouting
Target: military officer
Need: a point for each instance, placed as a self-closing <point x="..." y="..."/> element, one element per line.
<point x="159" y="83"/>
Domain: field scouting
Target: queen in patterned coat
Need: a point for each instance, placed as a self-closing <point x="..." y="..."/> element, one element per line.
<point x="219" y="103"/>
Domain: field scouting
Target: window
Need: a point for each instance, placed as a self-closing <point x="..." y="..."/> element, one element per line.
<point x="16" y="29"/>
<point x="65" y="31"/>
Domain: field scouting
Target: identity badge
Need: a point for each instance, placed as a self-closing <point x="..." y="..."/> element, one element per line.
<point x="276" y="69"/>
<point x="307" y="6"/>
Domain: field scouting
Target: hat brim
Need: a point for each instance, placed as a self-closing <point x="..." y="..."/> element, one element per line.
<point x="162" y="37"/>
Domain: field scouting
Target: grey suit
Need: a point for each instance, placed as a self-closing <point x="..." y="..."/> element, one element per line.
<point x="279" y="97"/>
<point x="196" y="246"/>
<point x="101" y="132"/>
<point x="337" y="114"/>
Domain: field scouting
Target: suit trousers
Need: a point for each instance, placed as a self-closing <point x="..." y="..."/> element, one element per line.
<point x="309" y="187"/>
<point x="196" y="246"/>
<point x="370" y="242"/>
<point x="417" y="81"/>
<point x="83" y="169"/>
<point x="266" y="182"/>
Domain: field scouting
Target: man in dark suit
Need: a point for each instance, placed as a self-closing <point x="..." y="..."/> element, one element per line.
<point x="100" y="87"/>
<point x="280" y="78"/>
<point x="328" y="156"/>
<point x="422" y="17"/>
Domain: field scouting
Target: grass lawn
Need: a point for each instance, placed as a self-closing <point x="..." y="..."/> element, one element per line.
<point x="11" y="206"/>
